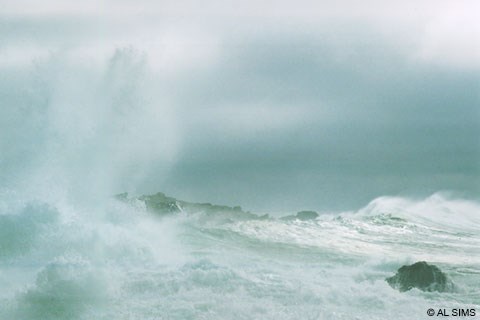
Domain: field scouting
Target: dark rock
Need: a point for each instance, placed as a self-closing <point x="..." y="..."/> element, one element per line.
<point x="420" y="275"/>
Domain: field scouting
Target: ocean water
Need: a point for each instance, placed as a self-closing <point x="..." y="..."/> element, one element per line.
<point x="118" y="261"/>
<point x="73" y="133"/>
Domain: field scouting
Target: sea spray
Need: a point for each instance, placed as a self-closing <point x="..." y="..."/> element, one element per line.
<point x="75" y="132"/>
<point x="72" y="127"/>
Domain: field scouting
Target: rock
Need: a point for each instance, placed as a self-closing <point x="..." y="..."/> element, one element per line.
<point x="307" y="215"/>
<point x="302" y="215"/>
<point x="420" y="275"/>
<point x="161" y="204"/>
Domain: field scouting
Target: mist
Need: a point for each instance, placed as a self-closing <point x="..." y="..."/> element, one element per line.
<point x="239" y="160"/>
<point x="323" y="109"/>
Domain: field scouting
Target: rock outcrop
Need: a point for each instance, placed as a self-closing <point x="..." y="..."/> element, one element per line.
<point x="420" y="275"/>
<point x="161" y="204"/>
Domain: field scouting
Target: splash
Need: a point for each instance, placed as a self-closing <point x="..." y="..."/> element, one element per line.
<point x="73" y="128"/>
<point x="73" y="134"/>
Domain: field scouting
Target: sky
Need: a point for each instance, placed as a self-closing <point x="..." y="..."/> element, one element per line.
<point x="276" y="105"/>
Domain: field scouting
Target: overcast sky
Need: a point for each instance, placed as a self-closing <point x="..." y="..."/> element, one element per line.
<point x="274" y="106"/>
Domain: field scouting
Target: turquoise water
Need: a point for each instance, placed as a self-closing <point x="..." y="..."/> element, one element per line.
<point x="116" y="261"/>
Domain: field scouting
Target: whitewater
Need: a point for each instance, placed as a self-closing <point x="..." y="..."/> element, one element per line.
<point x="74" y="134"/>
<point x="119" y="261"/>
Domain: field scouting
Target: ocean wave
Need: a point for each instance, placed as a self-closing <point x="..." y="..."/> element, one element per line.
<point x="126" y="261"/>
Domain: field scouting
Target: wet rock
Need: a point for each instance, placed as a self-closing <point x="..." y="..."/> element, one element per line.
<point x="420" y="275"/>
<point x="161" y="204"/>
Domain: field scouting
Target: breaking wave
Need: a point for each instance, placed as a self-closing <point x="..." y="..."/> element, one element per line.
<point x="122" y="261"/>
<point x="72" y="135"/>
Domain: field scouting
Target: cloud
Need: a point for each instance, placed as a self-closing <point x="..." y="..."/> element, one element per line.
<point x="438" y="32"/>
<point x="315" y="103"/>
<point x="355" y="125"/>
<point x="450" y="38"/>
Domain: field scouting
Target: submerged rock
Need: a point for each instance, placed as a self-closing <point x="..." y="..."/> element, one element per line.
<point x="420" y="275"/>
